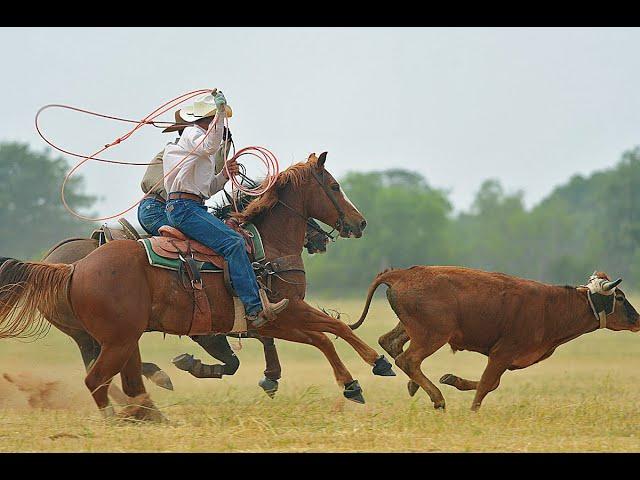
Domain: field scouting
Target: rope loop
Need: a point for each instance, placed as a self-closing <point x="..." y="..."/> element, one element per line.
<point x="267" y="157"/>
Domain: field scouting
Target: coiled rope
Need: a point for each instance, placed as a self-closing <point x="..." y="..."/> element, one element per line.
<point x="268" y="159"/>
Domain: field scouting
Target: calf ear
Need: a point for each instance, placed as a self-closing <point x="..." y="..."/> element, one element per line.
<point x="321" y="160"/>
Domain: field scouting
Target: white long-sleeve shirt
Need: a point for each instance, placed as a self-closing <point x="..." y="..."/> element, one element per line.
<point x="197" y="173"/>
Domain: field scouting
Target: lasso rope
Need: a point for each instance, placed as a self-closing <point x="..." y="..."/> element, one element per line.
<point x="267" y="157"/>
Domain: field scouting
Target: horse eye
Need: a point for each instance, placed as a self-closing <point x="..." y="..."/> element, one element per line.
<point x="335" y="187"/>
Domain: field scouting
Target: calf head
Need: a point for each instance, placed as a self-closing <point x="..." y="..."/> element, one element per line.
<point x="608" y="297"/>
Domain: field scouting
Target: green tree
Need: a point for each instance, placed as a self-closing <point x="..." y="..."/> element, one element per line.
<point x="31" y="211"/>
<point x="407" y="225"/>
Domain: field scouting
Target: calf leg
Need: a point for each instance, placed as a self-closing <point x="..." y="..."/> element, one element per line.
<point x="490" y="379"/>
<point x="409" y="362"/>
<point x="394" y="341"/>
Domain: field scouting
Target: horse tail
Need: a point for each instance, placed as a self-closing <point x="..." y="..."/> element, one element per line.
<point x="29" y="290"/>
<point x="386" y="277"/>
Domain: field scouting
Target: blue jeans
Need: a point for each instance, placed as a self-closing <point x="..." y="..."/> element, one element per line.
<point x="192" y="219"/>
<point x="151" y="215"/>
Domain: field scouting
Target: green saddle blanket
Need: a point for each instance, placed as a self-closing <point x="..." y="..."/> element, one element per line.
<point x="173" y="264"/>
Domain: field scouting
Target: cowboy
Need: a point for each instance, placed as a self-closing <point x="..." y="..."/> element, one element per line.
<point x="190" y="179"/>
<point x="151" y="210"/>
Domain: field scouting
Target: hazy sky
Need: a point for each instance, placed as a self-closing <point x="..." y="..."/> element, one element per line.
<point x="530" y="107"/>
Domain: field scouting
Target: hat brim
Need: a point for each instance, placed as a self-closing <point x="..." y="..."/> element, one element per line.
<point x="176" y="126"/>
<point x="186" y="115"/>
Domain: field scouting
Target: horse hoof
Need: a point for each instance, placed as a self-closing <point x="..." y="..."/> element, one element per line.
<point x="141" y="408"/>
<point x="162" y="380"/>
<point x="382" y="367"/>
<point x="448" y="379"/>
<point x="269" y="386"/>
<point x="439" y="406"/>
<point x="412" y="387"/>
<point x="184" y="362"/>
<point x="353" y="392"/>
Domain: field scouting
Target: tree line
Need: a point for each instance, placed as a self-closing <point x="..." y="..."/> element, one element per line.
<point x="585" y="224"/>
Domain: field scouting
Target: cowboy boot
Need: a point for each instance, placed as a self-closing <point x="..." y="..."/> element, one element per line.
<point x="269" y="310"/>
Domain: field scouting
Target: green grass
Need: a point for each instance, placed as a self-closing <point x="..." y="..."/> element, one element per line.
<point x="583" y="398"/>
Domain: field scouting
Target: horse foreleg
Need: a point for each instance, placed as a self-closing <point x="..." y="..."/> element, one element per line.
<point x="272" y="369"/>
<point x="343" y="377"/>
<point x="304" y="317"/>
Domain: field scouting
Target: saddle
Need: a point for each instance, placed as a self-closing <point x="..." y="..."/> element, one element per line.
<point x="175" y="245"/>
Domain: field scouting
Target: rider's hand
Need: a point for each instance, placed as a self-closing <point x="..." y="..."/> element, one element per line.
<point x="233" y="168"/>
<point x="220" y="101"/>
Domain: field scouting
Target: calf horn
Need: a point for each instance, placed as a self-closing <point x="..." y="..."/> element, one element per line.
<point x="610" y="285"/>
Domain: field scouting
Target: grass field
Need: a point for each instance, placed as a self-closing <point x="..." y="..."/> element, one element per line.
<point x="584" y="398"/>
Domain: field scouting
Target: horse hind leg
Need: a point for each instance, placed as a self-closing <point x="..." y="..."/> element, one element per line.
<point x="140" y="406"/>
<point x="109" y="363"/>
<point x="461" y="384"/>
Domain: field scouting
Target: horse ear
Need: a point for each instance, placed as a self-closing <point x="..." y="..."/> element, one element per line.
<point x="321" y="159"/>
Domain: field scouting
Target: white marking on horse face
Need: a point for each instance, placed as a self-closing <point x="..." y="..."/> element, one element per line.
<point x="346" y="197"/>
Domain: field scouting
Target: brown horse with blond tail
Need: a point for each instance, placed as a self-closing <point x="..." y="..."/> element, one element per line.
<point x="115" y="295"/>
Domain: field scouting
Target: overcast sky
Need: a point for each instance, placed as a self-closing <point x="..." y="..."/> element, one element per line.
<point x="530" y="107"/>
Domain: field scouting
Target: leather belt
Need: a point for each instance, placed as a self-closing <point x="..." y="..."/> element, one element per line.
<point x="186" y="196"/>
<point x="155" y="196"/>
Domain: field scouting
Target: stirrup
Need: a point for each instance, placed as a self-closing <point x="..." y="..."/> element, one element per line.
<point x="269" y="310"/>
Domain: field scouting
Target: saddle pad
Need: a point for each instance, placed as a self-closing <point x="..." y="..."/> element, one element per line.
<point x="258" y="247"/>
<point x="170" y="263"/>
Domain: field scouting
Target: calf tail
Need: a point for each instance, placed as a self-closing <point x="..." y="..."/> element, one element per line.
<point x="27" y="290"/>
<point x="386" y="277"/>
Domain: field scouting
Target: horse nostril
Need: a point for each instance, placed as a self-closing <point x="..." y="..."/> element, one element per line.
<point x="363" y="224"/>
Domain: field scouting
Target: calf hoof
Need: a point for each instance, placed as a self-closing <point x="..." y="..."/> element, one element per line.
<point x="448" y="379"/>
<point x="184" y="362"/>
<point x="353" y="392"/>
<point x="162" y="379"/>
<point x="269" y="386"/>
<point x="412" y="387"/>
<point x="382" y="367"/>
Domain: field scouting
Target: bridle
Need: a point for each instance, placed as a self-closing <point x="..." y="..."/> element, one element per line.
<point x="310" y="222"/>
<point x="320" y="179"/>
<point x="339" y="224"/>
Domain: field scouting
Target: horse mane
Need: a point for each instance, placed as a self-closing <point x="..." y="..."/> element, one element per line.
<point x="295" y="175"/>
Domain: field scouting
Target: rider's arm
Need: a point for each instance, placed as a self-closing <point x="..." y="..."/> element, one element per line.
<point x="192" y="137"/>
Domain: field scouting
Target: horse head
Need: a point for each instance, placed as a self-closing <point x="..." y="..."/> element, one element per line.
<point x="327" y="202"/>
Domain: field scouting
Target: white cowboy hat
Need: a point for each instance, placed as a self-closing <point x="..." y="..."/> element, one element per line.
<point x="202" y="107"/>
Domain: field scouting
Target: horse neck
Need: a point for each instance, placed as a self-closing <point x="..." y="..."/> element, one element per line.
<point x="578" y="319"/>
<point x="281" y="229"/>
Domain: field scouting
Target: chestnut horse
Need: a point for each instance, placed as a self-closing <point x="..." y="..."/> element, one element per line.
<point x="115" y="295"/>
<point x="73" y="249"/>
